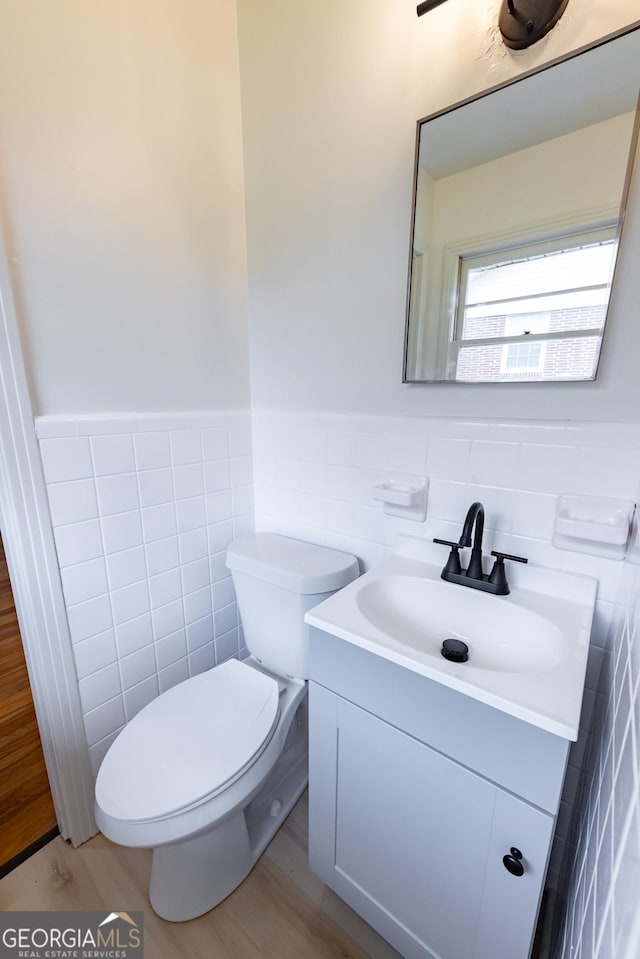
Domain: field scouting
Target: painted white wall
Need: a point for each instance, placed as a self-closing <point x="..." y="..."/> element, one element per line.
<point x="122" y="201"/>
<point x="330" y="102"/>
<point x="490" y="198"/>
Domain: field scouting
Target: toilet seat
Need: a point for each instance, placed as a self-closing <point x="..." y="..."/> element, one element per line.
<point x="189" y="744"/>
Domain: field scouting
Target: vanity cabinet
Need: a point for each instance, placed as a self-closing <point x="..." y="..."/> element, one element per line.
<point x="417" y="795"/>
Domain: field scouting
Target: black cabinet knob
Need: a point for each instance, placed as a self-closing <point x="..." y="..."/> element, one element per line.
<point x="513" y="862"/>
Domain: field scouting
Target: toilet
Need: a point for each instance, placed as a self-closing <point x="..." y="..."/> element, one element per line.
<point x="206" y="773"/>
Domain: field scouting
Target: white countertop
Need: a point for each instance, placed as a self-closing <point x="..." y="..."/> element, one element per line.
<point x="542" y="627"/>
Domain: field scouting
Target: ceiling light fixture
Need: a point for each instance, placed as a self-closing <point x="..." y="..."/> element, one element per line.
<point x="524" y="22"/>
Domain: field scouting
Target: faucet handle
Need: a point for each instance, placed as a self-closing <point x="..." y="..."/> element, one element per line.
<point x="453" y="563"/>
<point x="501" y="556"/>
<point x="498" y="575"/>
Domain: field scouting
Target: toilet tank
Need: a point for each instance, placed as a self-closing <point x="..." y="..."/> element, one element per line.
<point x="277" y="579"/>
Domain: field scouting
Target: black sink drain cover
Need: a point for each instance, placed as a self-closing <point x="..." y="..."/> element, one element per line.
<point x="455" y="650"/>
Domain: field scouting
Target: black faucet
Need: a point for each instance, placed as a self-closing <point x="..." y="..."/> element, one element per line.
<point x="473" y="576"/>
<point x="474" y="517"/>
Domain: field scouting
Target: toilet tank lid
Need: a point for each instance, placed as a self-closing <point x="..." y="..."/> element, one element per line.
<point x="291" y="563"/>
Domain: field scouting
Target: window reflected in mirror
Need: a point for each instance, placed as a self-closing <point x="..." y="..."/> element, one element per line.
<point x="542" y="309"/>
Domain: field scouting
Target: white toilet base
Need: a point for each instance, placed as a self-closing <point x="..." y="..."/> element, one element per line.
<point x="191" y="877"/>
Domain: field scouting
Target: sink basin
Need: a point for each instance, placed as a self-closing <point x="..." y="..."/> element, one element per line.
<point x="527" y="651"/>
<point x="421" y="613"/>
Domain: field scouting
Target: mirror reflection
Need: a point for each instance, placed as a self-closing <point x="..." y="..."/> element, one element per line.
<point x="517" y="212"/>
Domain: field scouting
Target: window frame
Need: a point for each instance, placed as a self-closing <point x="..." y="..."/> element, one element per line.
<point x="594" y="222"/>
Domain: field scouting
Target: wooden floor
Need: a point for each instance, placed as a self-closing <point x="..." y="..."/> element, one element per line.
<point x="26" y="807"/>
<point x="281" y="911"/>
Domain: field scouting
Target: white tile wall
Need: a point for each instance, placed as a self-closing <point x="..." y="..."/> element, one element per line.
<point x="314" y="476"/>
<point x="143" y="509"/>
<point x="602" y="917"/>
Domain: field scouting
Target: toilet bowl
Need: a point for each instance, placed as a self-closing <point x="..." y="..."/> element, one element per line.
<point x="207" y="772"/>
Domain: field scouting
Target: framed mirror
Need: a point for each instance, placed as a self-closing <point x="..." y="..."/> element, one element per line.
<point x="517" y="210"/>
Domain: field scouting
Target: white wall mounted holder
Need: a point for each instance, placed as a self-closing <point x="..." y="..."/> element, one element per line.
<point x="405" y="495"/>
<point x="597" y="525"/>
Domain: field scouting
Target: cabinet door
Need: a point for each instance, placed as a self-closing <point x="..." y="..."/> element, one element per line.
<point x="510" y="904"/>
<point x="412" y="836"/>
